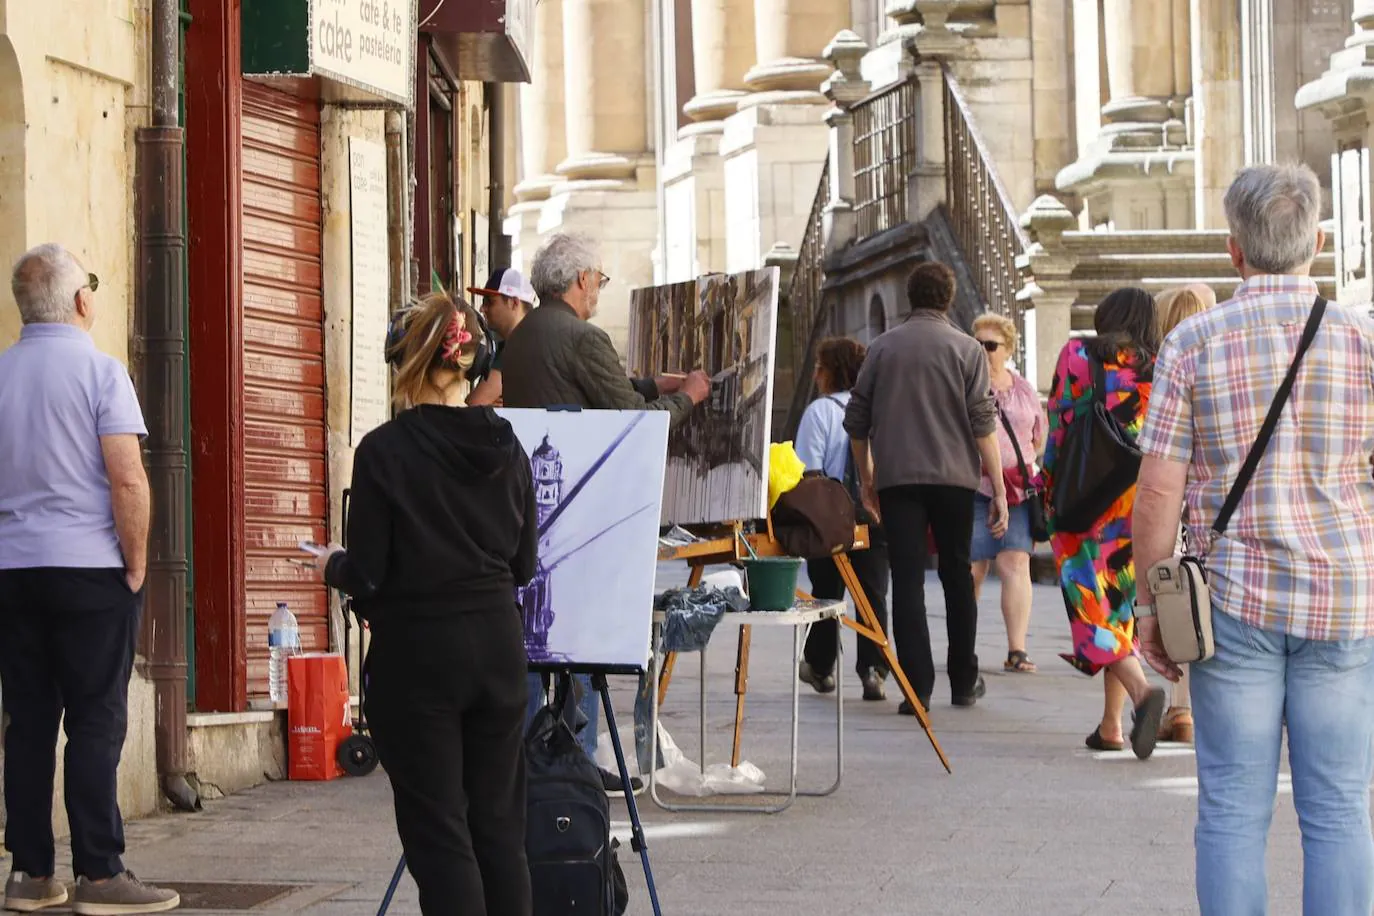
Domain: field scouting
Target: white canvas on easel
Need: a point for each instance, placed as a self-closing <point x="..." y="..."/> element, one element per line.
<point x="598" y="479"/>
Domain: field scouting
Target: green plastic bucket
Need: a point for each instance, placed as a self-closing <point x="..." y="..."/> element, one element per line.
<point x="772" y="582"/>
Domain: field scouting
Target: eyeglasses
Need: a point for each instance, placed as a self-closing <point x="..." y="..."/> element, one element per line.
<point x="92" y="282"/>
<point x="604" y="282"/>
<point x="991" y="346"/>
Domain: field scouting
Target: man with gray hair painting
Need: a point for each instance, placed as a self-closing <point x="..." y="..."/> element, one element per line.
<point x="1292" y="577"/>
<point x="74" y="515"/>
<point x="557" y="358"/>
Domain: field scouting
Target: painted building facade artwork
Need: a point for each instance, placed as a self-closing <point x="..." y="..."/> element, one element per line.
<point x="598" y="485"/>
<point x="724" y="324"/>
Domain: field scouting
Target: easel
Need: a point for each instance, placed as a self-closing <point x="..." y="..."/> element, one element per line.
<point x="637" y="840"/>
<point x="723" y="546"/>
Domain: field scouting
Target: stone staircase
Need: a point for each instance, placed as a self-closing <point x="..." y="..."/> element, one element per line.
<point x="1037" y="267"/>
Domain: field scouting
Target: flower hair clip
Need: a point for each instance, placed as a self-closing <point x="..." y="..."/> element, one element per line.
<point x="455" y="338"/>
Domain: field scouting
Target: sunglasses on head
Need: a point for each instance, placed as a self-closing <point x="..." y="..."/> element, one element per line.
<point x="991" y="345"/>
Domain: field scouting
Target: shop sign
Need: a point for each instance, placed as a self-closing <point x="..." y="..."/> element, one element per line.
<point x="519" y="25"/>
<point x="369" y="44"/>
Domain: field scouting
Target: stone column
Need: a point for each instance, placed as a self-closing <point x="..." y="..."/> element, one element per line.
<point x="1218" y="119"/>
<point x="543" y="142"/>
<point x="605" y="89"/>
<point x="844" y="87"/>
<point x="1136" y="173"/>
<point x="1053" y="292"/>
<point x="1139" y="38"/>
<point x="789" y="36"/>
<point x="722" y="51"/>
<point x="1345" y="94"/>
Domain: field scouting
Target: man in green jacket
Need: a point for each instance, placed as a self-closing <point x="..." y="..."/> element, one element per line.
<point x="557" y="358"/>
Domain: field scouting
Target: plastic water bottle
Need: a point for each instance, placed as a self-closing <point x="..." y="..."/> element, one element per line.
<point x="283" y="641"/>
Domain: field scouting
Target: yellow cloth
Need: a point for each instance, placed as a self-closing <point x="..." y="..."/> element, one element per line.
<point x="785" y="470"/>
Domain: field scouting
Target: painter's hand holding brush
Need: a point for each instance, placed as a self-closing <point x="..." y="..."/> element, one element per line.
<point x="697" y="386"/>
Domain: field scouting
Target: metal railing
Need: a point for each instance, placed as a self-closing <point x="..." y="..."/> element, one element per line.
<point x="805" y="300"/>
<point x="884" y="156"/>
<point x="981" y="214"/>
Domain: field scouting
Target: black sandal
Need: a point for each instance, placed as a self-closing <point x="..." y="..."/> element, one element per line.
<point x="1098" y="743"/>
<point x="1019" y="662"/>
<point x="1145" y="731"/>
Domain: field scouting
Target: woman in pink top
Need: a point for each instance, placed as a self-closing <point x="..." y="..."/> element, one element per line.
<point x="1018" y="407"/>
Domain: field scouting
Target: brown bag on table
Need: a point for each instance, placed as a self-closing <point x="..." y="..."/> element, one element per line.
<point x="815" y="518"/>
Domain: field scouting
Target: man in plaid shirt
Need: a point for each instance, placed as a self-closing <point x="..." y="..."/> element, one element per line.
<point x="1292" y="580"/>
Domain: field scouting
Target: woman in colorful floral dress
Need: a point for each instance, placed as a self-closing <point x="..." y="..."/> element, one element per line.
<point x="1096" y="571"/>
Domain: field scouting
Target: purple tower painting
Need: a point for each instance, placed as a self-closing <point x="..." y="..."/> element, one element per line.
<point x="598" y="483"/>
<point x="536" y="599"/>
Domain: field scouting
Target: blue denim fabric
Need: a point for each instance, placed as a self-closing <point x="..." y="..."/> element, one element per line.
<point x="1240" y="699"/>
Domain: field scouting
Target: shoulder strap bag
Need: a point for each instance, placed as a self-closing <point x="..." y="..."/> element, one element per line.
<point x="1183" y="602"/>
<point x="1035" y="499"/>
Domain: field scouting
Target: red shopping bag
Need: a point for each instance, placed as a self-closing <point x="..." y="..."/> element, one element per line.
<point x="318" y="717"/>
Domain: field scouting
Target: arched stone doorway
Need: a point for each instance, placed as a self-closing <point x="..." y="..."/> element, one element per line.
<point x="13" y="213"/>
<point x="877" y="318"/>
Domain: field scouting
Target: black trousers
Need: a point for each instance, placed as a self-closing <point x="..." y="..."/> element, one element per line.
<point x="948" y="512"/>
<point x="446" y="703"/>
<point x="823" y="643"/>
<point x="67" y="639"/>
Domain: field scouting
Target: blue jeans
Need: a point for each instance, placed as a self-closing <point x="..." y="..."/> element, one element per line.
<point x="1240" y="699"/>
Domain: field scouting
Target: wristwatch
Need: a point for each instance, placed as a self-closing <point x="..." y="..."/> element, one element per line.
<point x="1144" y="610"/>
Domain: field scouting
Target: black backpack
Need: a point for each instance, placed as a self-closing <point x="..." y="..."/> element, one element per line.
<point x="851" y="486"/>
<point x="1098" y="461"/>
<point x="574" y="869"/>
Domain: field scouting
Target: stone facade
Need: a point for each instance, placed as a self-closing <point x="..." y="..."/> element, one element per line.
<point x="73" y="89"/>
<point x="1131" y="115"/>
<point x="674" y="191"/>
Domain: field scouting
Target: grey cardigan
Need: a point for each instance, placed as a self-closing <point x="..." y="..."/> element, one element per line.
<point x="923" y="399"/>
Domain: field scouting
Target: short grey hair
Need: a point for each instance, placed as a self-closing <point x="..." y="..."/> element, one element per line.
<point x="1273" y="211"/>
<point x="45" y="282"/>
<point x="557" y="264"/>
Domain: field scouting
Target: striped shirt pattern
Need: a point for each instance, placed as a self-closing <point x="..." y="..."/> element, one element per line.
<point x="1298" y="556"/>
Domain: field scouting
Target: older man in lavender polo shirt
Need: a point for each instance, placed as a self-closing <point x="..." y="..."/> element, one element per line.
<point x="74" y="510"/>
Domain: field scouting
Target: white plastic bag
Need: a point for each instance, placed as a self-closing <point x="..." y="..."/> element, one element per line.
<point x="684" y="777"/>
<point x="605" y="751"/>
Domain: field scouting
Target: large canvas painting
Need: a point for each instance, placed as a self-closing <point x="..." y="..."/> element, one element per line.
<point x="724" y="325"/>
<point x="598" y="486"/>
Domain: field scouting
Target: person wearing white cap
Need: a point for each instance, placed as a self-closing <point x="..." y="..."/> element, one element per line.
<point x="506" y="300"/>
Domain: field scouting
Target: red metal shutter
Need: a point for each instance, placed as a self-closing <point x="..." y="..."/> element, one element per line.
<point x="285" y="443"/>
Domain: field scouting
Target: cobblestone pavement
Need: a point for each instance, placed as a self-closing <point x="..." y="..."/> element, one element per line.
<point x="1030" y="821"/>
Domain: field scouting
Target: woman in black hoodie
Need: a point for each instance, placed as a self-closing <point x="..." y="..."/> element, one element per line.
<point x="441" y="531"/>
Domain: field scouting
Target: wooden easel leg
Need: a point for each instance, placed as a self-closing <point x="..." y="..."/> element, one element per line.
<point x="670" y="659"/>
<point x="868" y="627"/>
<point x="746" y="635"/>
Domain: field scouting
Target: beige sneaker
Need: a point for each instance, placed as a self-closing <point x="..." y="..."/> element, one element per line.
<point x="25" y="895"/>
<point x="122" y="895"/>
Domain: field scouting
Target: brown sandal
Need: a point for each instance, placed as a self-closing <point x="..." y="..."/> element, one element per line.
<point x="1177" y="725"/>
<point x="1019" y="662"/>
